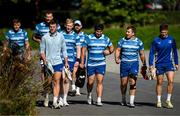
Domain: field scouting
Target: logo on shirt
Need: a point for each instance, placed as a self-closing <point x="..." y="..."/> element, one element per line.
<point x="169" y="41"/>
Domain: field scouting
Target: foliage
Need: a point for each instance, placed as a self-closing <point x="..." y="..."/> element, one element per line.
<point x="122" y="11"/>
<point x="170" y="5"/>
<point x="18" y="88"/>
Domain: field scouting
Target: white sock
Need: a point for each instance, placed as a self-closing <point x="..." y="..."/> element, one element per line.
<point x="73" y="87"/>
<point x="55" y="100"/>
<point x="132" y="99"/>
<point x="47" y="96"/>
<point x="99" y="99"/>
<point x="61" y="98"/>
<point x="168" y="97"/>
<point x="65" y="98"/>
<point x="89" y="94"/>
<point x="159" y="98"/>
<point x="77" y="89"/>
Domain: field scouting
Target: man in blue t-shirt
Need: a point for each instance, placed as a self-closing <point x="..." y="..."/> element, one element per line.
<point x="163" y="48"/>
<point x="81" y="34"/>
<point x="98" y="46"/>
<point x="127" y="54"/>
<point x="73" y="51"/>
<point x="17" y="39"/>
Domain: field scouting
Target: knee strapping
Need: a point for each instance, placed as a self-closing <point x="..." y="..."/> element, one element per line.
<point x="133" y="86"/>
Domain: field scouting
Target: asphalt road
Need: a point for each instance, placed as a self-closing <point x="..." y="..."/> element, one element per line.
<point x="145" y="98"/>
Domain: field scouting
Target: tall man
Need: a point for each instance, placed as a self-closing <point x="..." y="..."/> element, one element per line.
<point x="164" y="48"/>
<point x="40" y="30"/>
<point x="127" y="52"/>
<point x="98" y="46"/>
<point x="52" y="46"/>
<point x="73" y="46"/>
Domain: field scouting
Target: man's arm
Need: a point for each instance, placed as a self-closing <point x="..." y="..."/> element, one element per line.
<point x="109" y="51"/>
<point x="42" y="50"/>
<point x="175" y="55"/>
<point x="83" y="55"/>
<point x="142" y="57"/>
<point x="36" y="38"/>
<point x="117" y="55"/>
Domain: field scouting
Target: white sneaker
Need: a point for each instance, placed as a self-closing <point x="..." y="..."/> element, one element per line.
<point x="60" y="103"/>
<point x="65" y="103"/>
<point x="168" y="104"/>
<point x="89" y="100"/>
<point x="55" y="106"/>
<point x="99" y="104"/>
<point x="46" y="103"/>
<point x="158" y="104"/>
<point x="131" y="105"/>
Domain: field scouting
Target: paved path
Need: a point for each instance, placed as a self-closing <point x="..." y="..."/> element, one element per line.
<point x="145" y="98"/>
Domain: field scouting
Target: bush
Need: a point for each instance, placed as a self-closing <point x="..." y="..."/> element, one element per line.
<point x="18" y="88"/>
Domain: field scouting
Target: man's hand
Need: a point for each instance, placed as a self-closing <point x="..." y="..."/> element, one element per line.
<point x="177" y="67"/>
<point x="106" y="52"/>
<point x="117" y="60"/>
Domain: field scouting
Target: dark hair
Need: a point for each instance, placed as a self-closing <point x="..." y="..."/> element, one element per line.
<point x="53" y="22"/>
<point x="132" y="28"/>
<point x="163" y="26"/>
<point x="48" y="12"/>
<point x="16" y="21"/>
<point x="98" y="27"/>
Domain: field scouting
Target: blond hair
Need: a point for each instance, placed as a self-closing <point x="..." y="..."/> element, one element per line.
<point x="68" y="20"/>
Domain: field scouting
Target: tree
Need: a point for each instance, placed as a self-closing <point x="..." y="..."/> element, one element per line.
<point x="121" y="11"/>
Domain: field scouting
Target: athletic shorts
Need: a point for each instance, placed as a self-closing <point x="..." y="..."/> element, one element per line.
<point x="163" y="68"/>
<point x="58" y="67"/>
<point x="129" y="68"/>
<point x="96" y="70"/>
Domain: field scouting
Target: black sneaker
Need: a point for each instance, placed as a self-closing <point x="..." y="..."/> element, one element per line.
<point x="123" y="103"/>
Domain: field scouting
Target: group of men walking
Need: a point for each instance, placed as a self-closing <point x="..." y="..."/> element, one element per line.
<point x="70" y="49"/>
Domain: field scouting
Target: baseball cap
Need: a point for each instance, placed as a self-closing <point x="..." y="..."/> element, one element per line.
<point x="77" y="22"/>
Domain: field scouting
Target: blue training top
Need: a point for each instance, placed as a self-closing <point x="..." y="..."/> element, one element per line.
<point x="165" y="49"/>
<point x="43" y="28"/>
<point x="130" y="49"/>
<point x="19" y="37"/>
<point x="96" y="47"/>
<point x="72" y="40"/>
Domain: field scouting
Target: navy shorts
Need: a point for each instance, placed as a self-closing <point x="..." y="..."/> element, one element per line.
<point x="129" y="68"/>
<point x="163" y="68"/>
<point x="58" y="67"/>
<point x="96" y="70"/>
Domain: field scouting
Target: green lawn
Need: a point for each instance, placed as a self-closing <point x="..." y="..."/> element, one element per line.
<point x="146" y="34"/>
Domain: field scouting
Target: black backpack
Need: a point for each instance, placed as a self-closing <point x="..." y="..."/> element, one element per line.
<point x="80" y="77"/>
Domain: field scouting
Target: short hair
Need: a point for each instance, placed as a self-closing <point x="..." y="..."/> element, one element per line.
<point x="52" y="22"/>
<point x="48" y="12"/>
<point x="132" y="28"/>
<point x="163" y="26"/>
<point x="69" y="20"/>
<point x="98" y="27"/>
<point x="16" y="21"/>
